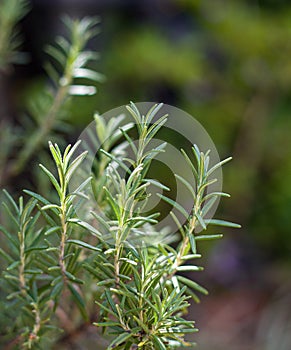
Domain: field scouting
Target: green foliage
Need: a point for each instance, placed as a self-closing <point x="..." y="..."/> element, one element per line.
<point x="54" y="259"/>
<point x="20" y="280"/>
<point x="61" y="272"/>
<point x="227" y="63"/>
<point x="42" y="259"/>
<point x="71" y="58"/>
<point x="11" y="12"/>
<point x="70" y="74"/>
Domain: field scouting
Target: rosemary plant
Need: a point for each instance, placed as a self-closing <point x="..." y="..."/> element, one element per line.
<point x="71" y="64"/>
<point x="62" y="273"/>
<point x="11" y="12"/>
<point x="58" y="264"/>
<point x="68" y="65"/>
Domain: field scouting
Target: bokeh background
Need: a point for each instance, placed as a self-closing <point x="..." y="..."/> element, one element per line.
<point x="227" y="63"/>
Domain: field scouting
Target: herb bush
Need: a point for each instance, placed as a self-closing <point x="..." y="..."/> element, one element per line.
<point x="61" y="273"/>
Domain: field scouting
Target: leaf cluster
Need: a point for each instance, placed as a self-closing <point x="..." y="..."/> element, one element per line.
<point x="58" y="263"/>
<point x="11" y="12"/>
<point x="69" y="71"/>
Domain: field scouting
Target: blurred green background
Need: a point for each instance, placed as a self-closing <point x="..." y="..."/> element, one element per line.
<point x="227" y="63"/>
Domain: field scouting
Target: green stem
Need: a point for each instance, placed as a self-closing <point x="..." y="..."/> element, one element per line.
<point x="33" y="336"/>
<point x="63" y="242"/>
<point x="117" y="266"/>
<point x="22" y="261"/>
<point x="118" y="252"/>
<point x="40" y="134"/>
<point x="184" y="248"/>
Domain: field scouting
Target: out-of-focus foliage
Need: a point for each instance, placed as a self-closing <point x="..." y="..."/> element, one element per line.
<point x="11" y="12"/>
<point x="70" y="75"/>
<point x="227" y="63"/>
